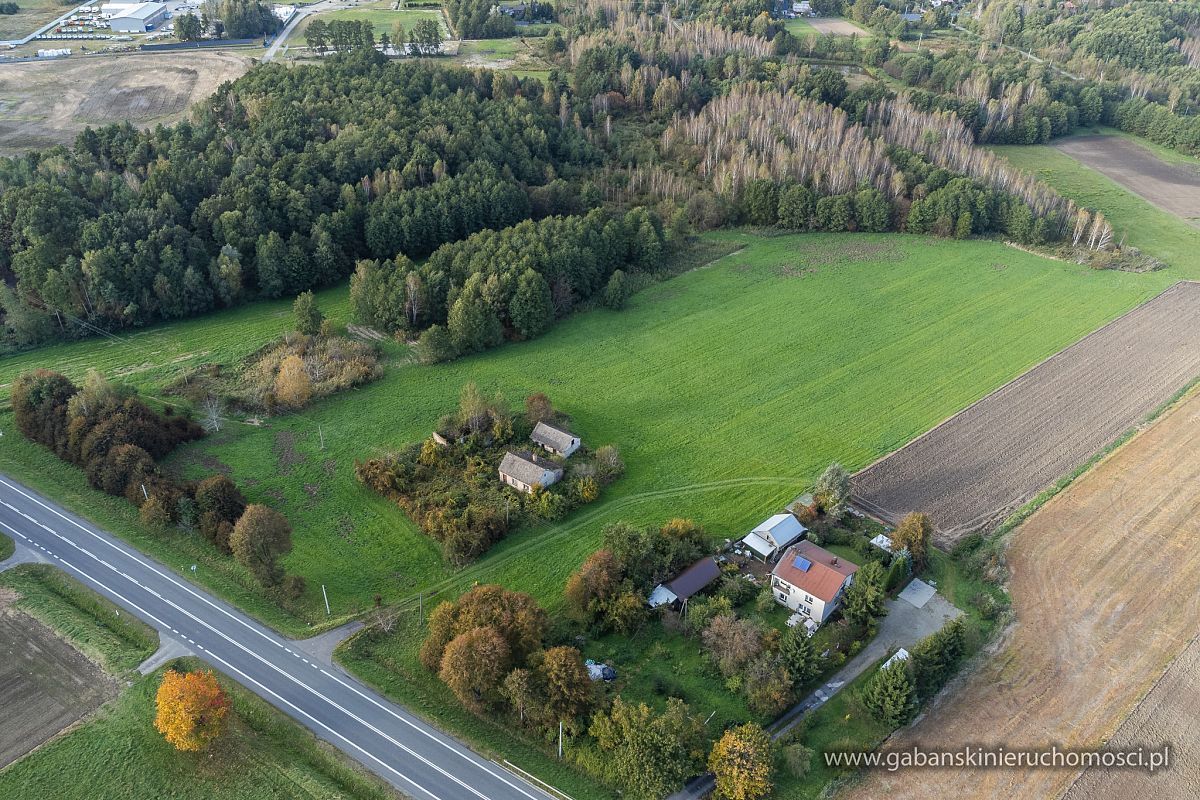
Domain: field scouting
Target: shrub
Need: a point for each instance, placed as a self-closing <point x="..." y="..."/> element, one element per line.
<point x="155" y="513"/>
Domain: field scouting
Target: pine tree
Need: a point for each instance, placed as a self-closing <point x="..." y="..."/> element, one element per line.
<point x="531" y="308"/>
<point x="799" y="655"/>
<point x="864" y="598"/>
<point x="890" y="695"/>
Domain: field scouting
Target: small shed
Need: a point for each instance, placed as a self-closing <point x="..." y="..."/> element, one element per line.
<point x="555" y="440"/>
<point x="899" y="655"/>
<point x="687" y="583"/>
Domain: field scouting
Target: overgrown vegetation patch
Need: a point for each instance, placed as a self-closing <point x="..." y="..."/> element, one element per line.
<point x="454" y="484"/>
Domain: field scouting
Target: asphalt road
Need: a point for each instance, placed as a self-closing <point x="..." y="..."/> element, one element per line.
<point x="417" y="759"/>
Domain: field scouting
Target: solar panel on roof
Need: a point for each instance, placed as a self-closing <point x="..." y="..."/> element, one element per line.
<point x="801" y="563"/>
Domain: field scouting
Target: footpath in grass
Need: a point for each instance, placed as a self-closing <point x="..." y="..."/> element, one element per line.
<point x="96" y="627"/>
<point x="727" y="390"/>
<point x="118" y="754"/>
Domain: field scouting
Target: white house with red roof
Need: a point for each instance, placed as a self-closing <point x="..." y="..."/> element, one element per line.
<point x="810" y="580"/>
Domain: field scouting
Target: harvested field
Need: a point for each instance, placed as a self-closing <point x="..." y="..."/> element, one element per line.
<point x="835" y="26"/>
<point x="48" y="103"/>
<point x="1168" y="714"/>
<point x="45" y="684"/>
<point x="1172" y="187"/>
<point x="981" y="464"/>
<point x="1103" y="590"/>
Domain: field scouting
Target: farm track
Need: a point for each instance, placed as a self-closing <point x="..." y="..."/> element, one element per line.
<point x="978" y="466"/>
<point x="1103" y="588"/>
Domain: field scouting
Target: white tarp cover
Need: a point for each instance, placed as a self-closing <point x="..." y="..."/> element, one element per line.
<point x="661" y="596"/>
<point x="883" y="542"/>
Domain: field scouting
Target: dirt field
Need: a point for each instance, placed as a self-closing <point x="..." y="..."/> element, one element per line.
<point x="1168" y="714"/>
<point x="978" y="466"/>
<point x="1104" y="592"/>
<point x="835" y="26"/>
<point x="42" y="104"/>
<point x="1172" y="187"/>
<point x="45" y="684"/>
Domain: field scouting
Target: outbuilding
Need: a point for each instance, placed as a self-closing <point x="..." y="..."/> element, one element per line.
<point x="687" y="583"/>
<point x="555" y="440"/>
<point x="772" y="535"/>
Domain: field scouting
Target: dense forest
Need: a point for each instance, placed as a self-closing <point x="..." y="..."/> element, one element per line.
<point x="290" y="179"/>
<point x="281" y="182"/>
<point x="1136" y="60"/>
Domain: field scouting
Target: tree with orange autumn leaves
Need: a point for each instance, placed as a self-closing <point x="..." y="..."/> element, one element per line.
<point x="192" y="709"/>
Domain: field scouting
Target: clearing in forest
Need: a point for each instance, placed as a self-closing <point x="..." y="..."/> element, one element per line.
<point x="48" y="102"/>
<point x="1103" y="588"/>
<point x="983" y="463"/>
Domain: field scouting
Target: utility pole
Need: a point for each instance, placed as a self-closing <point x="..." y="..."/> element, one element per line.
<point x="145" y="494"/>
<point x="321" y="433"/>
<point x="560" y="740"/>
<point x="328" y="613"/>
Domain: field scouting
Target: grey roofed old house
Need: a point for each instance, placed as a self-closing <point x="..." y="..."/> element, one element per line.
<point x="523" y="471"/>
<point x="555" y="439"/>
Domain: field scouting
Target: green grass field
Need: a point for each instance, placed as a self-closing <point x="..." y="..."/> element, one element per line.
<point x="1152" y="230"/>
<point x="118" y="754"/>
<point x="31" y="15"/>
<point x="800" y="27"/>
<point x="727" y="390"/>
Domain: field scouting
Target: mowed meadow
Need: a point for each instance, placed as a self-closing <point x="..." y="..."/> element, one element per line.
<point x="727" y="389"/>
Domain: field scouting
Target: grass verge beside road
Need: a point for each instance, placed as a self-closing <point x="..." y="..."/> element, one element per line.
<point x="97" y="628"/>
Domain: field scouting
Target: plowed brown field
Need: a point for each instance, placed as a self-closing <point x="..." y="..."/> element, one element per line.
<point x="45" y="684"/>
<point x="981" y="464"/>
<point x="1104" y="591"/>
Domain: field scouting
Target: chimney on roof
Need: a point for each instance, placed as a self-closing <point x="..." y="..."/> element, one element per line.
<point x="835" y="561"/>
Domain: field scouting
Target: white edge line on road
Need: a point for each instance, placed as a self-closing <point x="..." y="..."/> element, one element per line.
<point x="241" y="674"/>
<point x="477" y="761"/>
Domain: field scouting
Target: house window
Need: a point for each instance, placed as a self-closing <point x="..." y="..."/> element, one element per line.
<point x="806" y="609"/>
<point x="782" y="597"/>
<point x="808" y="598"/>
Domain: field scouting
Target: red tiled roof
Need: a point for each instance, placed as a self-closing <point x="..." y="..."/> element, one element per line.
<point x="825" y="574"/>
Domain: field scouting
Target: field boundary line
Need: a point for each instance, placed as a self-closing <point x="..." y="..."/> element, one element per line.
<point x="1060" y="353"/>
